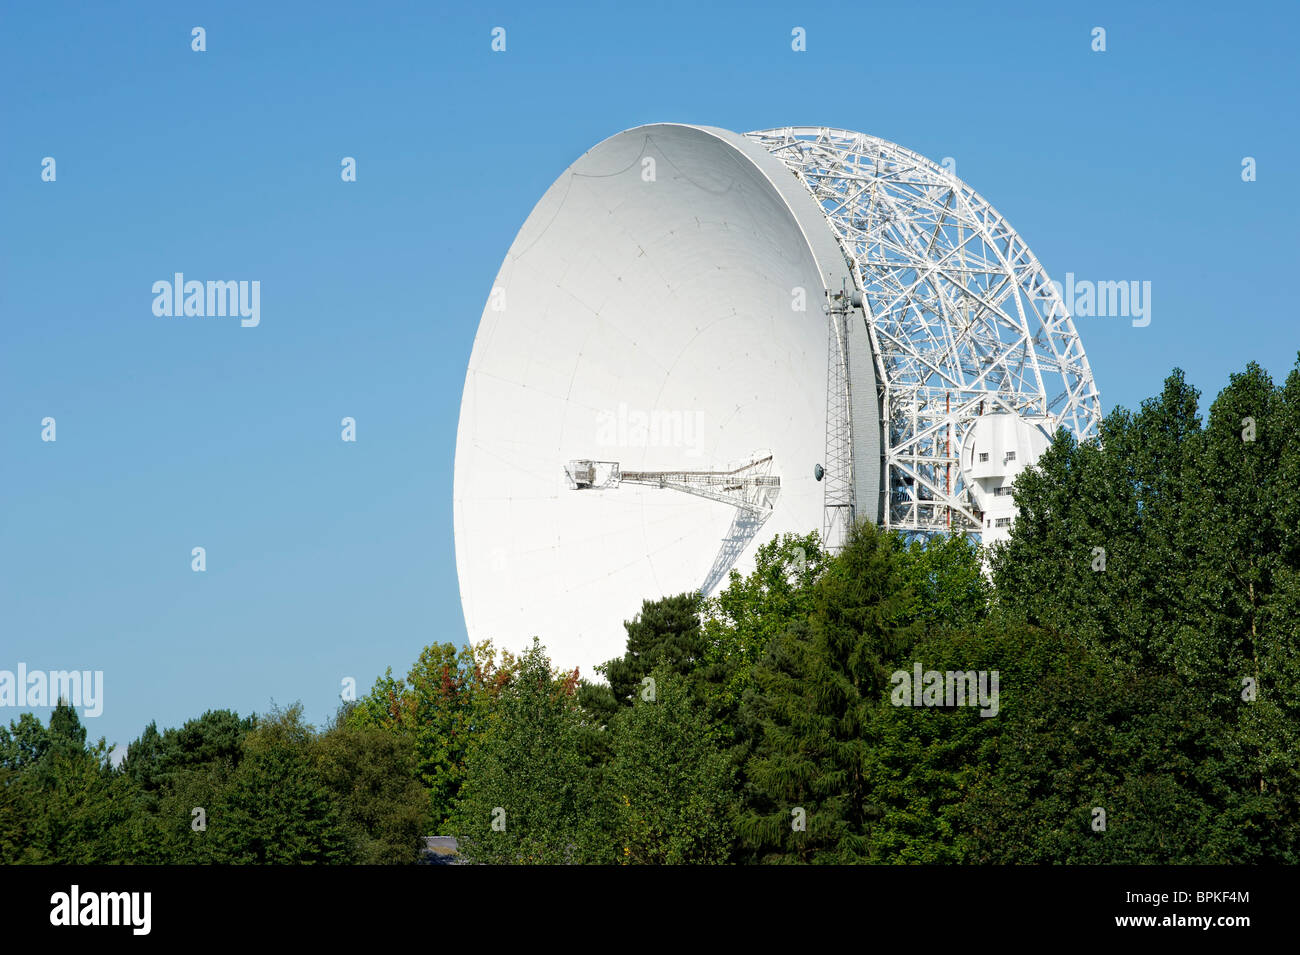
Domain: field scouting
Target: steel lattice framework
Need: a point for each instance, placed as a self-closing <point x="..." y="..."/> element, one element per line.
<point x="838" y="513"/>
<point x="963" y="320"/>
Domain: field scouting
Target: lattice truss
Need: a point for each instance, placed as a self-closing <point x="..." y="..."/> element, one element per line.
<point x="963" y="319"/>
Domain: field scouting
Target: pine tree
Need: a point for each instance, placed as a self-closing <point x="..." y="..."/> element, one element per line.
<point x="811" y="706"/>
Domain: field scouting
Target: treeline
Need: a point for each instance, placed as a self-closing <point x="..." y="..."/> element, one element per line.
<point x="219" y="789"/>
<point x="1119" y="683"/>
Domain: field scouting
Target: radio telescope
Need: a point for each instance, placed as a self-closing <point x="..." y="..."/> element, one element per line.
<point x="700" y="340"/>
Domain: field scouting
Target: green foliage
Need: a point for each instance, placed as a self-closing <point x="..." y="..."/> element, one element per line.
<point x="811" y="704"/>
<point x="214" y="739"/>
<point x="1201" y="530"/>
<point x="666" y="636"/>
<point x="744" y="619"/>
<point x="370" y="772"/>
<point x="923" y="760"/>
<point x="83" y="810"/>
<point x="62" y="802"/>
<point x="276" y="807"/>
<point x="19" y="840"/>
<point x="670" y="786"/>
<point x="269" y="791"/>
<point x="947" y="581"/>
<point x="529" y="796"/>
<point x="23" y="742"/>
<point x="443" y="707"/>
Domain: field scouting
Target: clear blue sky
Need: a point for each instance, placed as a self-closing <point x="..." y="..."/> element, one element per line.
<point x="328" y="559"/>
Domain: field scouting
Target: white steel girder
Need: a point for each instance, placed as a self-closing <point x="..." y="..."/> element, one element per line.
<point x="962" y="318"/>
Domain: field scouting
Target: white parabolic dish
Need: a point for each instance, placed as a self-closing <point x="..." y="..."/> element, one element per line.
<point x="663" y="307"/>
